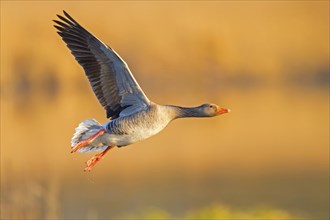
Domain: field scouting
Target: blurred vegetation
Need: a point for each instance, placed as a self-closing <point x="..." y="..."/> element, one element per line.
<point x="41" y="201"/>
<point x="217" y="212"/>
<point x="266" y="60"/>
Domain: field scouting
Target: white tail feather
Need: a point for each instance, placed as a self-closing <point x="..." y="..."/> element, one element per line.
<point x="85" y="130"/>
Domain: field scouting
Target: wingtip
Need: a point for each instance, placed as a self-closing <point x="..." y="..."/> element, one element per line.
<point x="64" y="12"/>
<point x="59" y="16"/>
<point x="55" y="21"/>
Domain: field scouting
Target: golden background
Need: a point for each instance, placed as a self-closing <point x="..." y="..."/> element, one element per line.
<point x="266" y="61"/>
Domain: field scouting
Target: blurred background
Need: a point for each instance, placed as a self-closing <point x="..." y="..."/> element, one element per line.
<point x="266" y="61"/>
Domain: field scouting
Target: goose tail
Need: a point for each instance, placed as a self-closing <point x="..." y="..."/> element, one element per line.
<point x="85" y="131"/>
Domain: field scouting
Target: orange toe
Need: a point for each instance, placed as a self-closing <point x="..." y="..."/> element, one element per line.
<point x="94" y="160"/>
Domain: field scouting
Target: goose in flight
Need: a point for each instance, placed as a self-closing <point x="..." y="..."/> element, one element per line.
<point x="133" y="117"/>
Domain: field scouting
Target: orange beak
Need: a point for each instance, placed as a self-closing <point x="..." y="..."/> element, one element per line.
<point x="221" y="111"/>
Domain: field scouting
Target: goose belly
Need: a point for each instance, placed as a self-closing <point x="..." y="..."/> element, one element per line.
<point x="147" y="130"/>
<point x="134" y="131"/>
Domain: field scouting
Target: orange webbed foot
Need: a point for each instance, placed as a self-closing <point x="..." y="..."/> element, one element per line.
<point x="94" y="160"/>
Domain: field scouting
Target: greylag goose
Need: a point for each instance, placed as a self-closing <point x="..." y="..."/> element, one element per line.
<point x="133" y="117"/>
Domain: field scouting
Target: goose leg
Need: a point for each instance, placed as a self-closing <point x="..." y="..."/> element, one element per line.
<point x="88" y="141"/>
<point x="92" y="162"/>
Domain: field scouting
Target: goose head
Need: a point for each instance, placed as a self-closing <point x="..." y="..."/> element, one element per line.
<point x="211" y="110"/>
<point x="205" y="110"/>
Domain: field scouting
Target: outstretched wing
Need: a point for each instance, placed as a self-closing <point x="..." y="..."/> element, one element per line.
<point x="111" y="80"/>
